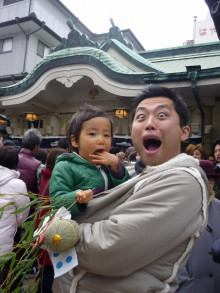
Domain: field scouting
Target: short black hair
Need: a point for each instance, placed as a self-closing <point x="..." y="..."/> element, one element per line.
<point x="9" y="157"/>
<point x="85" y="113"/>
<point x="217" y="141"/>
<point x="154" y="91"/>
<point x="63" y="143"/>
<point x="41" y="155"/>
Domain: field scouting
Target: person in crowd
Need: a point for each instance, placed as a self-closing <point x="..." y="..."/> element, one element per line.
<point x="216" y="151"/>
<point x="12" y="189"/>
<point x="211" y="158"/>
<point x="9" y="142"/>
<point x="131" y="155"/>
<point x="201" y="274"/>
<point x="216" y="148"/>
<point x="114" y="150"/>
<point x="137" y="236"/>
<point x="46" y="273"/>
<point x="63" y="144"/>
<point x="199" y="152"/>
<point x="1" y="141"/>
<point x="190" y="149"/>
<point x="41" y="156"/>
<point x="91" y="168"/>
<point x="28" y="165"/>
<point x="121" y="155"/>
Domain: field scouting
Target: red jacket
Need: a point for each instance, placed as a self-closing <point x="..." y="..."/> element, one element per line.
<point x="43" y="256"/>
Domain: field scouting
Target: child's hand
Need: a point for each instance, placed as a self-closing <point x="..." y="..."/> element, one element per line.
<point x="106" y="159"/>
<point x="84" y="196"/>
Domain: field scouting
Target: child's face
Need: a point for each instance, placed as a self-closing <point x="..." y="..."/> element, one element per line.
<point x="95" y="136"/>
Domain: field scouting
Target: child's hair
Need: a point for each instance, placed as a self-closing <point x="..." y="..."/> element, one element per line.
<point x="85" y="113"/>
<point x="52" y="156"/>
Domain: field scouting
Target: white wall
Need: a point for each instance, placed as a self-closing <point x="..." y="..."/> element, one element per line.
<point x="53" y="15"/>
<point x="32" y="57"/>
<point x="10" y="62"/>
<point x="18" y="9"/>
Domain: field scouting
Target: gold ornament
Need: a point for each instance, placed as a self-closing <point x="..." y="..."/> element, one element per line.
<point x="62" y="235"/>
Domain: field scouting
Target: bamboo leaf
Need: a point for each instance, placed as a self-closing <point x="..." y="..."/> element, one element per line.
<point x="33" y="202"/>
<point x="8" y="204"/>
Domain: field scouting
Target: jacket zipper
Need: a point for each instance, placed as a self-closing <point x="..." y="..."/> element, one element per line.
<point x="104" y="176"/>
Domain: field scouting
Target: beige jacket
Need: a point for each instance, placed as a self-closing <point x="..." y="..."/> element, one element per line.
<point x="136" y="237"/>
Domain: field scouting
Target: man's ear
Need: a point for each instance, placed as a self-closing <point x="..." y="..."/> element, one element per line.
<point x="185" y="132"/>
<point x="74" y="143"/>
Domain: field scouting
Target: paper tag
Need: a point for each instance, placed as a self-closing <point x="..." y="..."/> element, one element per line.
<point x="63" y="262"/>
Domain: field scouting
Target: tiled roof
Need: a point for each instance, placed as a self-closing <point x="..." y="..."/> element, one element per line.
<point x="178" y="64"/>
<point x="134" y="57"/>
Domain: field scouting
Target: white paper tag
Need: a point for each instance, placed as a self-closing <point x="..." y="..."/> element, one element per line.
<point x="63" y="262"/>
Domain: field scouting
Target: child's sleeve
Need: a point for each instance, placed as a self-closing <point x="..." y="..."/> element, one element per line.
<point x="120" y="176"/>
<point x="62" y="191"/>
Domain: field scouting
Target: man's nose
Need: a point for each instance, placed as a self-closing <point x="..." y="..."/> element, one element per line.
<point x="150" y="123"/>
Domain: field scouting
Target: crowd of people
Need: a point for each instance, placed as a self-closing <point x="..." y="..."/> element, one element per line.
<point x="148" y="215"/>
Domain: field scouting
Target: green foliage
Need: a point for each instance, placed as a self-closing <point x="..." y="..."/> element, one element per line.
<point x="25" y="253"/>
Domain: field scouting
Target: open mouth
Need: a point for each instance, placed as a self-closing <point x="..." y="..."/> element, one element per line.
<point x="152" y="144"/>
<point x="98" y="151"/>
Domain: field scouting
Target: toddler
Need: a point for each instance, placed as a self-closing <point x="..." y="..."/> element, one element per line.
<point x="90" y="169"/>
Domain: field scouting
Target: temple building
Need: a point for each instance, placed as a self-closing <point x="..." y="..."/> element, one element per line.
<point x="107" y="70"/>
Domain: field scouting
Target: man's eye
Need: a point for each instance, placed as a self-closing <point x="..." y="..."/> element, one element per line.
<point x="161" y="115"/>
<point x="141" y="116"/>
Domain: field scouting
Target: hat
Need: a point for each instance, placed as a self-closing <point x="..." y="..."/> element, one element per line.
<point x="208" y="168"/>
<point x="8" y="142"/>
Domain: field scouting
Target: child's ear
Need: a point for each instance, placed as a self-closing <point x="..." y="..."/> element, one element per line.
<point x="74" y="143"/>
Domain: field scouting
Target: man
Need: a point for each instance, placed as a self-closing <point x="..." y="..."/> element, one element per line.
<point x="28" y="164"/>
<point x="211" y="158"/>
<point x="137" y="236"/>
<point x="216" y="149"/>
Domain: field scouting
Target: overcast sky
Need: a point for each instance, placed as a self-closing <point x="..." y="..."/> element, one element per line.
<point x="156" y="23"/>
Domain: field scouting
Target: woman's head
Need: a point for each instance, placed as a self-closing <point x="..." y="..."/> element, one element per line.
<point x="190" y="149"/>
<point x="52" y="156"/>
<point x="9" y="157"/>
<point x="86" y="113"/>
<point x="198" y="152"/>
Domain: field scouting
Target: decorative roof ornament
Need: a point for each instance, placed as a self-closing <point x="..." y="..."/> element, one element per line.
<point x="75" y="39"/>
<point x="115" y="33"/>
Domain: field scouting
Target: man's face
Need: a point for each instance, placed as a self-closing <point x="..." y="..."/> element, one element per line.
<point x="217" y="153"/>
<point x="156" y="132"/>
<point x="212" y="159"/>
